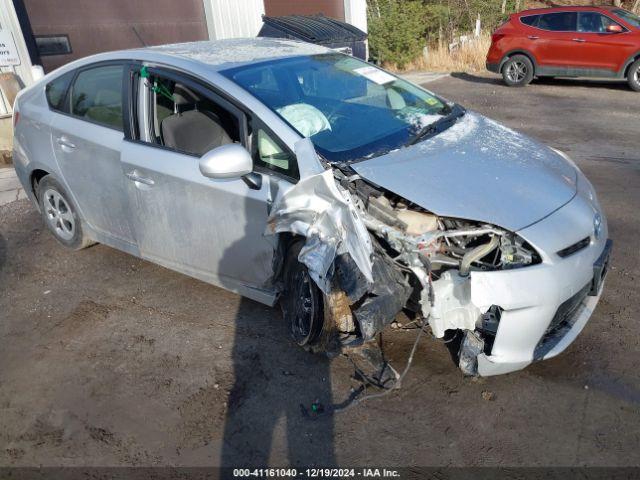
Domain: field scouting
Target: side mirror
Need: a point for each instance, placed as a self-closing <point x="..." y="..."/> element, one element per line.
<point x="614" y="29"/>
<point x="227" y="161"/>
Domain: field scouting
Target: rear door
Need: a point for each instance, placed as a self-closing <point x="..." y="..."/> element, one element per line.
<point x="531" y="37"/>
<point x="87" y="136"/>
<point x="558" y="41"/>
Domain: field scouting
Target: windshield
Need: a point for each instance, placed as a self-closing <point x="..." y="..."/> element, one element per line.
<point x="628" y="17"/>
<point x="348" y="108"/>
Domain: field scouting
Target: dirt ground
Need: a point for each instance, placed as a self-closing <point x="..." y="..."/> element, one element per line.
<point x="109" y="360"/>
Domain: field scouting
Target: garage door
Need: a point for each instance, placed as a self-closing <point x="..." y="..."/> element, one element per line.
<point x="69" y="29"/>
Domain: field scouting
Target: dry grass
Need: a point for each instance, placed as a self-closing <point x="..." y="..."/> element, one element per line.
<point x="470" y="57"/>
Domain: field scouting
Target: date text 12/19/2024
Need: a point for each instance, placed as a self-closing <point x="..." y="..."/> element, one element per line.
<point x="315" y="473"/>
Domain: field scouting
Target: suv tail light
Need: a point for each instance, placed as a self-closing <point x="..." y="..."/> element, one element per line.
<point x="497" y="36"/>
<point x="16" y="118"/>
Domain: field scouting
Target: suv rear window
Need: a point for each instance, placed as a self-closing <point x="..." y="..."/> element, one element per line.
<point x="531" y="20"/>
<point x="559" y="22"/>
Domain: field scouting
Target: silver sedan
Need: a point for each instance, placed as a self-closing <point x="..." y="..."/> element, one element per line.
<point x="288" y="172"/>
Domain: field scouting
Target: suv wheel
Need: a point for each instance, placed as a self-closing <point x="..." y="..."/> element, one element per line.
<point x="60" y="215"/>
<point x="517" y="71"/>
<point x="634" y="76"/>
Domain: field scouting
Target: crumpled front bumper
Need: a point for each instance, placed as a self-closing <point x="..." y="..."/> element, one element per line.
<point x="496" y="364"/>
<point x="532" y="298"/>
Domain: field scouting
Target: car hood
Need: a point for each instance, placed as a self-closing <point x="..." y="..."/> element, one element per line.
<point x="477" y="170"/>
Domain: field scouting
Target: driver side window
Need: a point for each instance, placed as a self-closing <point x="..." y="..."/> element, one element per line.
<point x="184" y="119"/>
<point x="593" y="22"/>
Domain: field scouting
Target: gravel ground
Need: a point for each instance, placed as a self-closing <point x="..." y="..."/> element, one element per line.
<point x="109" y="360"/>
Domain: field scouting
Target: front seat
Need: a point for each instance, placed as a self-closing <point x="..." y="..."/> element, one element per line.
<point x="194" y="132"/>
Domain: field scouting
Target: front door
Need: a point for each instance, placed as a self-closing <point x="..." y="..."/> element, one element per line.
<point x="210" y="229"/>
<point x="600" y="49"/>
<point x="87" y="140"/>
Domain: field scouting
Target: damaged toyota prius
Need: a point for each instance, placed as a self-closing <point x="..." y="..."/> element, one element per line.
<point x="290" y="173"/>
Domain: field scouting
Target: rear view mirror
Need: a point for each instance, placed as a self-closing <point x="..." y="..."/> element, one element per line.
<point x="614" y="29"/>
<point x="227" y="161"/>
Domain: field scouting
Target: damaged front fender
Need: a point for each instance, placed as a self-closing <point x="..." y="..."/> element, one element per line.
<point x="341" y="256"/>
<point x="319" y="210"/>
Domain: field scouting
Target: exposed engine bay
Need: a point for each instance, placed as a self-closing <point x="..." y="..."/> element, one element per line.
<point x="413" y="260"/>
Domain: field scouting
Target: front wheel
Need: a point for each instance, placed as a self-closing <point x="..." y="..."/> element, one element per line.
<point x="517" y="71"/>
<point x="633" y="77"/>
<point x="302" y="301"/>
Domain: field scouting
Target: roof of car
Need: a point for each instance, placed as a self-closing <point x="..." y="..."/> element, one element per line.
<point x="223" y="54"/>
<point x="575" y="8"/>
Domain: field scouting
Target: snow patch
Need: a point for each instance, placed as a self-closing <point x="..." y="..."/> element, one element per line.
<point x="240" y="50"/>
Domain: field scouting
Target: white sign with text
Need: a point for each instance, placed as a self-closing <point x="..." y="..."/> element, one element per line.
<point x="8" y="52"/>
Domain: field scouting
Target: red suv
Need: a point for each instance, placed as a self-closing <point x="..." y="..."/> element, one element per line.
<point x="601" y="42"/>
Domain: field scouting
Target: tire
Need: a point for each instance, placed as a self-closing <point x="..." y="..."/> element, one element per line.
<point x="633" y="77"/>
<point x="517" y="71"/>
<point x="60" y="214"/>
<point x="302" y="301"/>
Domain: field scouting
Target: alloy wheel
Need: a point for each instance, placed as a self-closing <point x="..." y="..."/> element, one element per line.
<point x="59" y="215"/>
<point x="516" y="72"/>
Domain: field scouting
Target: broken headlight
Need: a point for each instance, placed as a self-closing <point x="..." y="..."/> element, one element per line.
<point x="477" y="246"/>
<point x="411" y="233"/>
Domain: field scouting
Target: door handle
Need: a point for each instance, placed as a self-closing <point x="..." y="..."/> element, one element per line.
<point x="533" y="37"/>
<point x="64" y="142"/>
<point x="133" y="176"/>
<point x="581" y="40"/>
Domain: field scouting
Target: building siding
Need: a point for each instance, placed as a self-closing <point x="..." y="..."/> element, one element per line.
<point x="233" y="18"/>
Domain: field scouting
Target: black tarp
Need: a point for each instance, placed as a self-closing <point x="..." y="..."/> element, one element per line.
<point x="317" y="29"/>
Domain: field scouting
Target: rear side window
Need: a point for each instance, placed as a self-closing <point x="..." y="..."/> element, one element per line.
<point x="56" y="92"/>
<point x="96" y="95"/>
<point x="531" y="20"/>
<point x="559" y="22"/>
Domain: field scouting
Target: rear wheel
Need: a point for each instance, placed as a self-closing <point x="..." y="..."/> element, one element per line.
<point x="60" y="214"/>
<point x="517" y="71"/>
<point x="633" y="77"/>
<point x="302" y="300"/>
